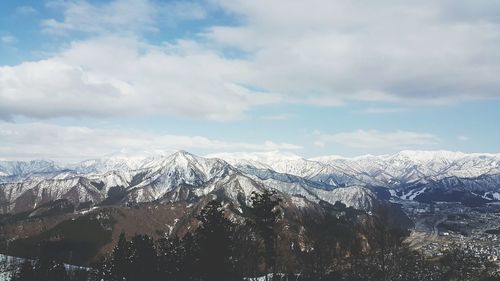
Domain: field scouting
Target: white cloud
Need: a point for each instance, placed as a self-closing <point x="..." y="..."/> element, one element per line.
<point x="183" y="10"/>
<point x="73" y="143"/>
<point x="119" y="16"/>
<point x="431" y="52"/>
<point x="112" y="76"/>
<point x="321" y="101"/>
<point x="8" y="39"/>
<point x="384" y="110"/>
<point x="277" y="117"/>
<point x="463" y="138"/>
<point x="374" y="139"/>
<point x="83" y="16"/>
<point x="25" y="10"/>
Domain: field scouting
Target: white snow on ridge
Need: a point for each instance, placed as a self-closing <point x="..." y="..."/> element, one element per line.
<point x="181" y="175"/>
<point x="385" y="170"/>
<point x="354" y="196"/>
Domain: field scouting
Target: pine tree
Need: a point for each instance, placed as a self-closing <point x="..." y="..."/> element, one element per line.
<point x="120" y="260"/>
<point x="171" y="258"/>
<point x="102" y="271"/>
<point x="214" y="237"/>
<point x="264" y="218"/>
<point x="42" y="268"/>
<point x="58" y="272"/>
<point x="388" y="240"/>
<point x="25" y="272"/>
<point x="191" y="261"/>
<point x="246" y="250"/>
<point x="143" y="259"/>
<point x="47" y="269"/>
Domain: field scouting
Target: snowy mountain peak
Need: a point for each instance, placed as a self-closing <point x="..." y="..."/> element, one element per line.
<point x="187" y="166"/>
<point x="429" y="155"/>
<point x="184" y="156"/>
<point x="182" y="175"/>
<point x="183" y="153"/>
<point x="263" y="157"/>
<point x="114" y="163"/>
<point x="20" y="168"/>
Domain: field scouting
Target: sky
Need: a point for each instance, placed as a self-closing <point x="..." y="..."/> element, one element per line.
<point x="81" y="79"/>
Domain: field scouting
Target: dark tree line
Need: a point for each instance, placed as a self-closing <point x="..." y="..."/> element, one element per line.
<point x="206" y="254"/>
<point x="216" y="250"/>
<point x="332" y="246"/>
<point x="45" y="268"/>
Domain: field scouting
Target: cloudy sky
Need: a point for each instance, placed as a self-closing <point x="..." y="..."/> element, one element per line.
<point x="81" y="79"/>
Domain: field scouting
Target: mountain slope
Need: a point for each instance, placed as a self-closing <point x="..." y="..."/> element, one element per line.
<point x="178" y="177"/>
<point x="405" y="174"/>
<point x="408" y="175"/>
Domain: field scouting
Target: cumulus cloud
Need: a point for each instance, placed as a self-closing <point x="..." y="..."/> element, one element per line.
<point x="116" y="76"/>
<point x="432" y="52"/>
<point x="374" y="139"/>
<point x="317" y="53"/>
<point x="74" y="143"/>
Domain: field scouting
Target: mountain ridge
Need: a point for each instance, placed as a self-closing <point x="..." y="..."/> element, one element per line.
<point x="407" y="175"/>
<point x="178" y="177"/>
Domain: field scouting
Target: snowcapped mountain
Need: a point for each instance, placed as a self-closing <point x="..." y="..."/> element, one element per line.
<point x="407" y="172"/>
<point x="184" y="176"/>
<point x="408" y="175"/>
<point x="165" y="177"/>
<point x="412" y="166"/>
<point x="178" y="177"/>
<point x="116" y="163"/>
<point x="385" y="170"/>
<point x="288" y="163"/>
<point x="278" y="161"/>
<point x="20" y="170"/>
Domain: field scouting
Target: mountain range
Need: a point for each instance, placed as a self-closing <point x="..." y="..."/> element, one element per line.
<point x="361" y="182"/>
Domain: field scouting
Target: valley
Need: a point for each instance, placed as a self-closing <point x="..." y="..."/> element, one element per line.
<point x="440" y="226"/>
